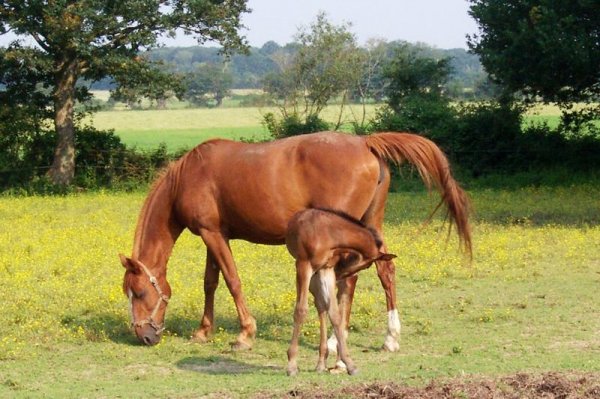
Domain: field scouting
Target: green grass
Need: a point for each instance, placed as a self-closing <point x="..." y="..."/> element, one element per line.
<point x="185" y="128"/>
<point x="180" y="127"/>
<point x="528" y="302"/>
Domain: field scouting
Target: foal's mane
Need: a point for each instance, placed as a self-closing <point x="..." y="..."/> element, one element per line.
<point x="353" y="220"/>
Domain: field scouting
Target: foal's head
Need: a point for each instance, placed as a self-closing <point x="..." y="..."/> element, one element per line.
<point x="148" y="298"/>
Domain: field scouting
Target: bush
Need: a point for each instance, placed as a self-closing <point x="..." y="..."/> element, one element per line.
<point x="101" y="160"/>
<point x="293" y="125"/>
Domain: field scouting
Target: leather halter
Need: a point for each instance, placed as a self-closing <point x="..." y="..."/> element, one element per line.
<point x="159" y="328"/>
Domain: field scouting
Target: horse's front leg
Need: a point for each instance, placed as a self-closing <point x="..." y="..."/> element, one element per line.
<point x="211" y="282"/>
<point x="218" y="246"/>
<point x="303" y="275"/>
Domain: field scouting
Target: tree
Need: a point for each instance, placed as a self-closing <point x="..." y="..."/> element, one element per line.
<point x="544" y="49"/>
<point x="325" y="65"/>
<point x="414" y="88"/>
<point x="206" y="80"/>
<point x="91" y="39"/>
<point x="151" y="80"/>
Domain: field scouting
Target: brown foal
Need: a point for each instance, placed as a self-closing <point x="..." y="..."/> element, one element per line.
<point x="328" y="245"/>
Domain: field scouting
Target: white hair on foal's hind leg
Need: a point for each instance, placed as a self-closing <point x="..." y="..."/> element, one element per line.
<point x="391" y="343"/>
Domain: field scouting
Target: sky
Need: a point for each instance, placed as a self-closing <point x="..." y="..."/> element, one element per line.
<point x="440" y="23"/>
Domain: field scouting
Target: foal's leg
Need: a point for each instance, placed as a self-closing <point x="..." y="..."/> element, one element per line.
<point x="211" y="282"/>
<point x="303" y="275"/>
<point x="219" y="248"/>
<point x="328" y="277"/>
<point x="345" y="296"/>
<point x="321" y="302"/>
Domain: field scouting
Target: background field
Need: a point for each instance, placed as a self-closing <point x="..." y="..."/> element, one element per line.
<point x="528" y="302"/>
<point x="181" y="127"/>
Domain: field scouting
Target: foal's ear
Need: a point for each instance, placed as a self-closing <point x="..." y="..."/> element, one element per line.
<point x="129" y="264"/>
<point x="386" y="257"/>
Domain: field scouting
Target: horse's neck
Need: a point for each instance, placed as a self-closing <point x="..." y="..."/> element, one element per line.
<point x="157" y="229"/>
<point x="358" y="239"/>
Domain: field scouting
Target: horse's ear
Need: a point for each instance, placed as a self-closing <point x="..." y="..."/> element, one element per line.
<point x="386" y="257"/>
<point x="129" y="264"/>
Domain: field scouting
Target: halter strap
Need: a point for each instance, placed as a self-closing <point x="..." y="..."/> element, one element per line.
<point x="159" y="328"/>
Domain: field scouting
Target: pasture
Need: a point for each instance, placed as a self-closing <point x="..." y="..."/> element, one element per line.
<point x="527" y="303"/>
<point x="187" y="127"/>
<point x="181" y="127"/>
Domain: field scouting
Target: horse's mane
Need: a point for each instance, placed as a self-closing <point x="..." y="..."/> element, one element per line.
<point x="353" y="220"/>
<point x="170" y="175"/>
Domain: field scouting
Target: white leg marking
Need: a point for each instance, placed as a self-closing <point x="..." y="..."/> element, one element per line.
<point x="391" y="343"/>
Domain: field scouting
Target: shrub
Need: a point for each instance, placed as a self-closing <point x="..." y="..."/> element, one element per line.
<point x="293" y="125"/>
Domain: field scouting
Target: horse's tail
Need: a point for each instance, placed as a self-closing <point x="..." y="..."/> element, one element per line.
<point x="434" y="169"/>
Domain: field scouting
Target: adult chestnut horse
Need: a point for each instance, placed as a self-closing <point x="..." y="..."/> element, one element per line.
<point x="223" y="190"/>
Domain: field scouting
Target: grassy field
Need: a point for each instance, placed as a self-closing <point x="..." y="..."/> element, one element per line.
<point x="180" y="127"/>
<point x="185" y="128"/>
<point x="528" y="302"/>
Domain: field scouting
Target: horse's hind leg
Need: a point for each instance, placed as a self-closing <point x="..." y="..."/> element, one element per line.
<point x="321" y="304"/>
<point x="385" y="269"/>
<point x="211" y="282"/>
<point x="218" y="246"/>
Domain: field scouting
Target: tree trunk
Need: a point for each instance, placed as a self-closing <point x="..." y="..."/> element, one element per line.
<point x="63" y="167"/>
<point x="161" y="103"/>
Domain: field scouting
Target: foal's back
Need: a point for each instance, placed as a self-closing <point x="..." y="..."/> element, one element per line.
<point x="327" y="237"/>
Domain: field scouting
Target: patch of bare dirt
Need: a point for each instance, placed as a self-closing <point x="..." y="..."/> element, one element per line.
<point x="552" y="385"/>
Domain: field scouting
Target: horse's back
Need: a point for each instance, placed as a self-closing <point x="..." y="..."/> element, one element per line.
<point x="256" y="188"/>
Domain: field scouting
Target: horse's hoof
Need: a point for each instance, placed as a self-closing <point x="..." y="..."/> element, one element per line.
<point x="291" y="372"/>
<point x="239" y="346"/>
<point x="352" y="370"/>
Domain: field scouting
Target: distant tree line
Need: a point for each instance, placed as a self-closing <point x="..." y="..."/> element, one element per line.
<point x="466" y="80"/>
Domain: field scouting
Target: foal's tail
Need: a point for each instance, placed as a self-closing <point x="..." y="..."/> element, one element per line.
<point x="434" y="169"/>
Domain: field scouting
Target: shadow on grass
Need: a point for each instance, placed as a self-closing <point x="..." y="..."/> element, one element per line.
<point x="220" y="365"/>
<point x="100" y="327"/>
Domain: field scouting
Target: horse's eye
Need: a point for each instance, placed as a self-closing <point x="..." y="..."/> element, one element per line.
<point x="138" y="295"/>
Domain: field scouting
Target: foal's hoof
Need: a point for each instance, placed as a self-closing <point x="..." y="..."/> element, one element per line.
<point x="239" y="346"/>
<point x="200" y="337"/>
<point x="337" y="370"/>
<point x="292" y="371"/>
<point x="352" y="370"/>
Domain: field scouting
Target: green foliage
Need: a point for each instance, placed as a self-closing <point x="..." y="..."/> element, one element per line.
<point x="102" y="159"/>
<point x="543" y="49"/>
<point x="325" y="65"/>
<point x="293" y="125"/>
<point x="208" y="81"/>
<point x="93" y="39"/>
<point x="416" y="101"/>
<point x="410" y="74"/>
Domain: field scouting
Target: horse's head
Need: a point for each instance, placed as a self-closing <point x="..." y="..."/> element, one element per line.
<point x="148" y="298"/>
